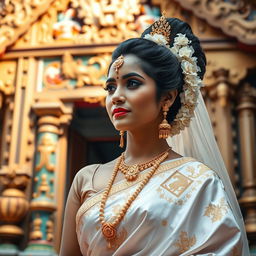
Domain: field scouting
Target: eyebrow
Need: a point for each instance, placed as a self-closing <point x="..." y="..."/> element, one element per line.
<point x="125" y="77"/>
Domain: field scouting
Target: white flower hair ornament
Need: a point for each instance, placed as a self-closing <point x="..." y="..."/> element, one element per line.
<point x="181" y="48"/>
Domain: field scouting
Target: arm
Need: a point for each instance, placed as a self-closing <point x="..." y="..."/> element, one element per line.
<point x="69" y="243"/>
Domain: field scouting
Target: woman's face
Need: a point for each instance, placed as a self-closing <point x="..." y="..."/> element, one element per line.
<point x="131" y="101"/>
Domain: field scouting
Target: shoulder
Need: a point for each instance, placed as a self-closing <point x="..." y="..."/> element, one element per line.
<point x="84" y="176"/>
<point x="198" y="175"/>
<point x="106" y="167"/>
<point x="86" y="171"/>
<point x="196" y="169"/>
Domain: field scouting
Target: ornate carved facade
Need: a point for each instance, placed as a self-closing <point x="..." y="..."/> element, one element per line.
<point x="55" y="55"/>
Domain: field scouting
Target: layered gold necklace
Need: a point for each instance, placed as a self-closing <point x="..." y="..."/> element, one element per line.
<point x="109" y="229"/>
<point x="131" y="172"/>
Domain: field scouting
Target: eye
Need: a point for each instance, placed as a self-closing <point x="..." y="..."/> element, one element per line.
<point x="110" y="88"/>
<point x="133" y="84"/>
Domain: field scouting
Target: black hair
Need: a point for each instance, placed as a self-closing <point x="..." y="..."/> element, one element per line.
<point x="159" y="63"/>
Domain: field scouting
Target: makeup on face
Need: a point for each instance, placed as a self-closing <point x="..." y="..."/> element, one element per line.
<point x="131" y="99"/>
<point x="111" y="82"/>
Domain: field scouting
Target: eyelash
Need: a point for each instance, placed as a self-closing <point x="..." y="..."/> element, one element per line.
<point x="131" y="84"/>
<point x="109" y="88"/>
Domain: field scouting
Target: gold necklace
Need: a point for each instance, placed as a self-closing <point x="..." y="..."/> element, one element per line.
<point x="131" y="172"/>
<point x="109" y="229"/>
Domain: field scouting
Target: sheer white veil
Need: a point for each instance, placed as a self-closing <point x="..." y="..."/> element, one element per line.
<point x="198" y="141"/>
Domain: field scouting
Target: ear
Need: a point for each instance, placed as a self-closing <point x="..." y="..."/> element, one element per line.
<point x="169" y="98"/>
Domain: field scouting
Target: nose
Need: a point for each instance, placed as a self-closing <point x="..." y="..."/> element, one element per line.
<point x="118" y="96"/>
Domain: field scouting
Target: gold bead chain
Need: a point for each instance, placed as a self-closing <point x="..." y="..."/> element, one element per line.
<point x="109" y="229"/>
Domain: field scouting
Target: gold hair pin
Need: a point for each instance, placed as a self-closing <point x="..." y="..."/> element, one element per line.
<point x="162" y="27"/>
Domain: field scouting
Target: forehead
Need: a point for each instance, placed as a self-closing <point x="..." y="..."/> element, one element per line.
<point x="131" y="64"/>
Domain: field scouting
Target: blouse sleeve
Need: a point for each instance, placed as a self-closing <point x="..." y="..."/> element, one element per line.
<point x="210" y="227"/>
<point x="79" y="191"/>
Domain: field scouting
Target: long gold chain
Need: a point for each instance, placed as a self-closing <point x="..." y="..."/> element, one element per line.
<point x="109" y="229"/>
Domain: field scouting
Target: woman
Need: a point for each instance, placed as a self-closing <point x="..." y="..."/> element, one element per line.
<point x="152" y="200"/>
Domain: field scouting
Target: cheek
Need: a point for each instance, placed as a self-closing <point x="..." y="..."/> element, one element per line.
<point x="146" y="100"/>
<point x="108" y="103"/>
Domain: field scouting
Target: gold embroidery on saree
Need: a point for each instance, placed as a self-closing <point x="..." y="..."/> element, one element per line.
<point x="218" y="211"/>
<point x="124" y="185"/>
<point x="196" y="172"/>
<point x="187" y="195"/>
<point x="176" y="184"/>
<point x="185" y="242"/>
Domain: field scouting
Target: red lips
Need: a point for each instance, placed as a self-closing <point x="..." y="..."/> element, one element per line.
<point x="120" y="112"/>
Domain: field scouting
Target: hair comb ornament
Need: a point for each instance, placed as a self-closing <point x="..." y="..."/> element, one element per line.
<point x="182" y="49"/>
<point x="161" y="32"/>
<point x="162" y="27"/>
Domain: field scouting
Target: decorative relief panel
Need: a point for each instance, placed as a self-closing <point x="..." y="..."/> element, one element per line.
<point x="7" y="78"/>
<point x="89" y="22"/>
<point x="74" y="72"/>
<point x="16" y="17"/>
<point x="234" y="17"/>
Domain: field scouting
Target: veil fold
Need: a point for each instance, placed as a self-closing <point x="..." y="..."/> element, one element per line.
<point x="198" y="141"/>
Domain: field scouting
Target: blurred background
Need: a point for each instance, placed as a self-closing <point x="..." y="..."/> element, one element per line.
<point x="54" y="56"/>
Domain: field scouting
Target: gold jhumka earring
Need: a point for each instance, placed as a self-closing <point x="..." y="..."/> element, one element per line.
<point x="121" y="144"/>
<point x="117" y="64"/>
<point x="164" y="127"/>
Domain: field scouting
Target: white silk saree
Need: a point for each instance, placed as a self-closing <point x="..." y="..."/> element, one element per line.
<point x="183" y="210"/>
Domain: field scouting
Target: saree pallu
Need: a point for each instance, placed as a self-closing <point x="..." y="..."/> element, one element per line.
<point x="183" y="210"/>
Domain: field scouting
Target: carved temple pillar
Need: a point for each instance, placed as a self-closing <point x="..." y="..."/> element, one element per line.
<point x="220" y="92"/>
<point x="43" y="203"/>
<point x="247" y="130"/>
<point x="13" y="207"/>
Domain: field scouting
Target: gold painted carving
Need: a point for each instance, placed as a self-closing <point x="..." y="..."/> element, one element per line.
<point x="13" y="203"/>
<point x="99" y="22"/>
<point x="222" y="83"/>
<point x="216" y="211"/>
<point x="36" y="234"/>
<point x="49" y="230"/>
<point x="43" y="188"/>
<point x="7" y="78"/>
<point x="233" y="17"/>
<point x="246" y="98"/>
<point x="107" y="21"/>
<point x="85" y="74"/>
<point x="185" y="242"/>
<point x="16" y="17"/>
<point x="46" y="147"/>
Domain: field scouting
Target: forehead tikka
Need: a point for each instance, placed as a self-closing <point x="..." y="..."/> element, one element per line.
<point x="118" y="64"/>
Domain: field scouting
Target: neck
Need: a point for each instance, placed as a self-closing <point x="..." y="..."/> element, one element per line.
<point x="143" y="145"/>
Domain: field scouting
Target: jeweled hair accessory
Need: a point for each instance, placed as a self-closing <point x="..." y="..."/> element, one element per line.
<point x="161" y="31"/>
<point x="192" y="83"/>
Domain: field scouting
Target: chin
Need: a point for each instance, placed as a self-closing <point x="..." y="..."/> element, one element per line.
<point x="121" y="126"/>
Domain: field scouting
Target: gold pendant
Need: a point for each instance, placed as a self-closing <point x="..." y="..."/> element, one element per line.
<point x="109" y="231"/>
<point x="132" y="172"/>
